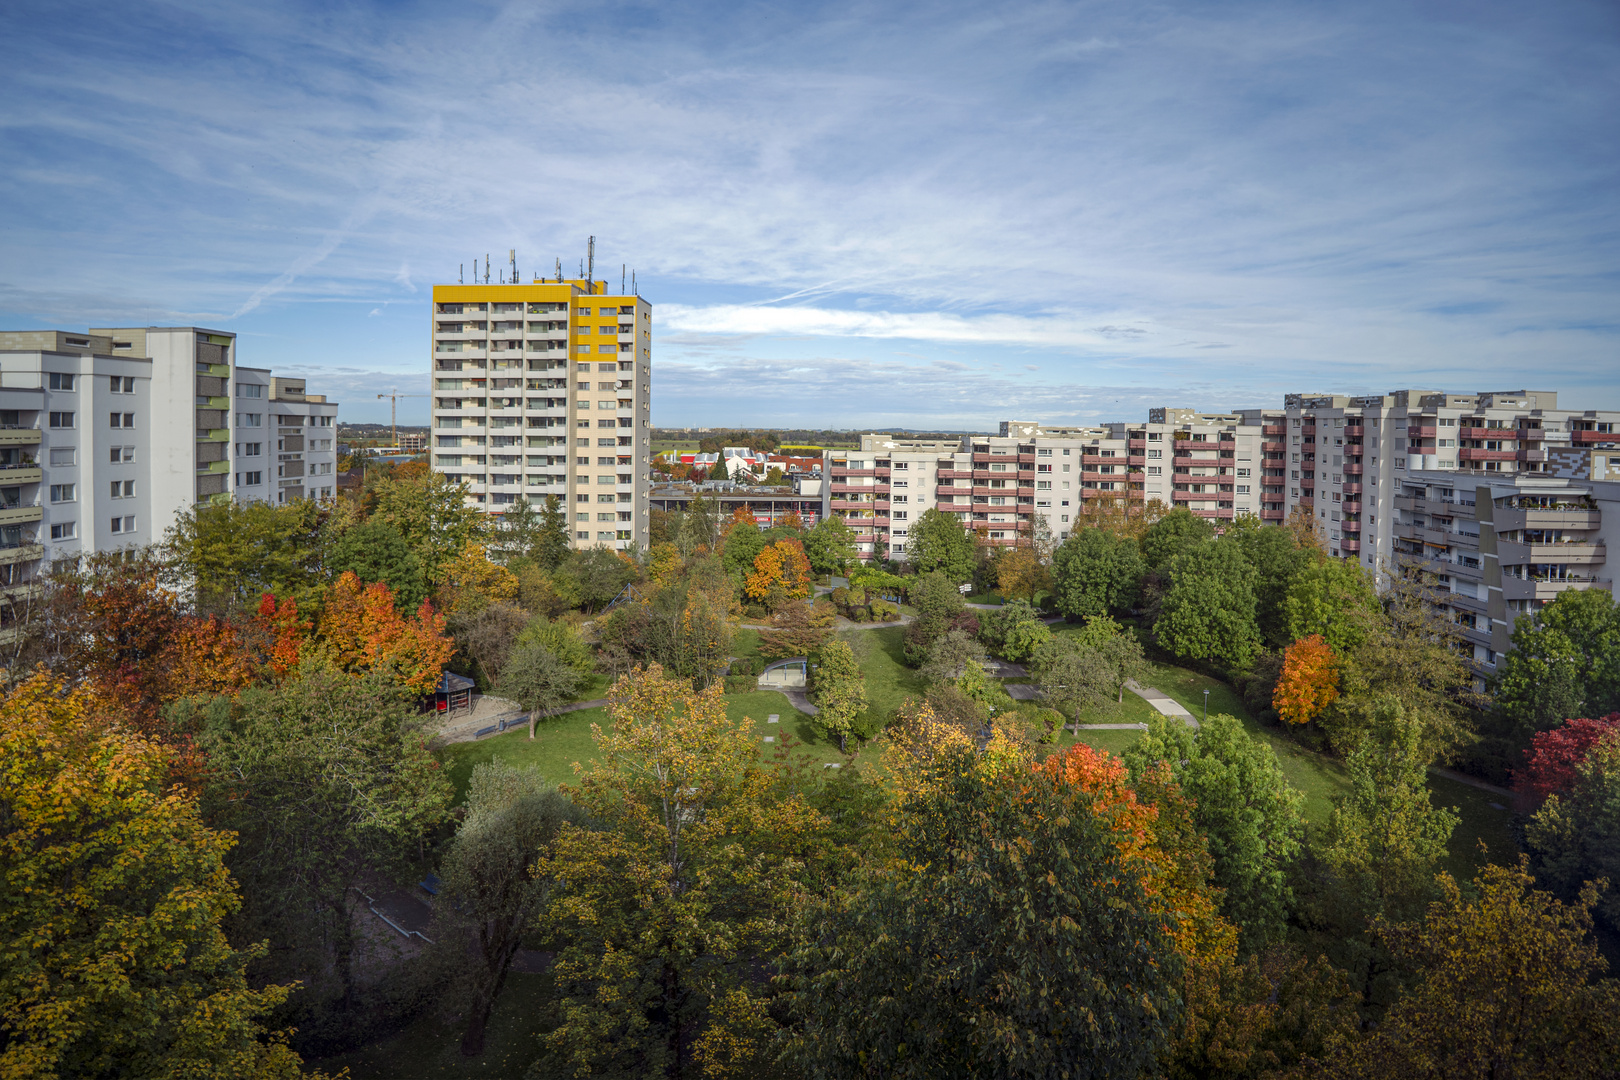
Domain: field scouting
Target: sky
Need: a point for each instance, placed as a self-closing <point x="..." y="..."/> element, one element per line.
<point x="845" y="215"/>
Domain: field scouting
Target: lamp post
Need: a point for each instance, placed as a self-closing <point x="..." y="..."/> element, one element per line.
<point x="1206" y="706"/>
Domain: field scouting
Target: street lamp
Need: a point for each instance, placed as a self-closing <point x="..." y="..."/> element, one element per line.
<point x="1206" y="706"/>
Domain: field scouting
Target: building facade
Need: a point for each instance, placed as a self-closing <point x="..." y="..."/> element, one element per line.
<point x="545" y="389"/>
<point x="106" y="437"/>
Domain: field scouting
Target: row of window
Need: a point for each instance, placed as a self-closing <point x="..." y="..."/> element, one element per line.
<point x="118" y="384"/>
<point x="66" y="493"/>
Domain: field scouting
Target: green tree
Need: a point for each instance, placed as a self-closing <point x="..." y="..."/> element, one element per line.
<point x="1119" y="649"/>
<point x="1575" y="838"/>
<point x="1014" y="631"/>
<point x="595" y="576"/>
<point x="113" y="961"/>
<point x="233" y="553"/>
<point x="949" y="656"/>
<point x="1077" y="679"/>
<point x="935" y="596"/>
<point x="840" y="691"/>
<point x="539" y="680"/>
<point x="1209" y="610"/>
<point x="516" y="531"/>
<point x="1334" y="598"/>
<point x="431" y="513"/>
<point x="1565" y="662"/>
<point x="326" y="780"/>
<point x="1507" y="986"/>
<point x="1277" y="559"/>
<point x="1176" y="532"/>
<point x="937" y="541"/>
<point x="719" y="470"/>
<point x="830" y="546"/>
<point x="743" y="543"/>
<point x="489" y="899"/>
<point x="998" y="945"/>
<point x="375" y="551"/>
<point x="698" y="856"/>
<point x="1246" y="810"/>
<point x="551" y="546"/>
<point x="1096" y="572"/>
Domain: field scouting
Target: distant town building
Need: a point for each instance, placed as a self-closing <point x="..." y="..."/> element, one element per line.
<point x="545" y="389"/>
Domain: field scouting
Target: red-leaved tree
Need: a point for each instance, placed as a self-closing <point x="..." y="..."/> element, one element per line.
<point x="1555" y="755"/>
<point x="1309" y="681"/>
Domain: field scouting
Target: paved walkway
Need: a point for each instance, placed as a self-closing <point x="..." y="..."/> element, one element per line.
<point x="1163" y="702"/>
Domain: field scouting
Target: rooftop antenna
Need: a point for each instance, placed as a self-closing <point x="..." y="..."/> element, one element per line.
<point x="486" y="268"/>
<point x="590" y="270"/>
<point x="559" y="271"/>
<point x="621" y="277"/>
<point x="511" y="253"/>
<point x="461" y="274"/>
<point x="633" y="290"/>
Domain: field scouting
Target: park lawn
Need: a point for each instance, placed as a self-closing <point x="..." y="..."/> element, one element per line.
<point x="745" y="641"/>
<point x="560" y="741"/>
<point x="430" y="1047"/>
<point x="888" y="680"/>
<point x="1478" y="822"/>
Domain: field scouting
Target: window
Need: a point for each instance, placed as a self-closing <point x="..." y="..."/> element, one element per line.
<point x="253" y="479"/>
<point x="61" y="493"/>
<point x="66" y="530"/>
<point x="1243" y="472"/>
<point x="1243" y="489"/>
<point x="63" y="455"/>
<point x="582" y="535"/>
<point x="121" y="420"/>
<point x="254" y="449"/>
<point x="122" y="384"/>
<point x="123" y="489"/>
<point x="1155" y="470"/>
<point x="251" y="419"/>
<point x="60" y="381"/>
<point x="61" y="420"/>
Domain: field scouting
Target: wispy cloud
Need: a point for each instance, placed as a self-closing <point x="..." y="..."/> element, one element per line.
<point x="1243" y="196"/>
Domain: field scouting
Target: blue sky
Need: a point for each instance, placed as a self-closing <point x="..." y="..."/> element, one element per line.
<point x="846" y="215"/>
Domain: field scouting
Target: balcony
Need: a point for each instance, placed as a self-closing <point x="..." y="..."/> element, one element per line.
<point x="954" y="474"/>
<point x="1530" y="434"/>
<point x="1010" y="459"/>
<point x="1352" y="506"/>
<point x="1136" y="461"/>
<point x="1509" y="520"/>
<point x="1529" y="454"/>
<point x="1487" y="433"/>
<point x="1136" y="444"/>
<point x="1469" y="453"/>
<point x="1548" y="589"/>
<point x="1416" y="432"/>
<point x="1351" y="469"/>
<point x="1273" y="429"/>
<point x="1512" y="553"/>
<point x="20" y="515"/>
<point x="24" y="552"/>
<point x="1268" y="514"/>
<point x="1273" y="447"/>
<point x="1100" y="459"/>
<point x="1352" y="489"/>
<point x="838" y="470"/>
<point x="20" y="474"/>
<point x="1581" y="438"/>
<point x="19" y="436"/>
<point x="1350" y="544"/>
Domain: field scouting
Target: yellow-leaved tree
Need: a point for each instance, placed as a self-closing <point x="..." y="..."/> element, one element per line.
<point x="112" y="960"/>
<point x="687" y="880"/>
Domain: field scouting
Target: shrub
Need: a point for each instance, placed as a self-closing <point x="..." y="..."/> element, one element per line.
<point x="741" y="684"/>
<point x="883" y="611"/>
<point x="840" y="596"/>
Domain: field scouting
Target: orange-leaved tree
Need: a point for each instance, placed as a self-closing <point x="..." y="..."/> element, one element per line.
<point x="360" y="630"/>
<point x="1309" y="681"/>
<point x="210" y="655"/>
<point x="781" y="569"/>
<point x="285" y="633"/>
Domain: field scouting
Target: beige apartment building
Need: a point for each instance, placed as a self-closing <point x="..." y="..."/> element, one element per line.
<point x="546" y="389"/>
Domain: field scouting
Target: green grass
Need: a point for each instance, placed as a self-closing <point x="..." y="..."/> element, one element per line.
<point x="562" y="740"/>
<point x="1478" y="822"/>
<point x="984" y="598"/>
<point x="431" y="1047"/>
<point x="888" y="680"/>
<point x="745" y="641"/>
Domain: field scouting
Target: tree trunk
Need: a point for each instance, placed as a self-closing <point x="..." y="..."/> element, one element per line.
<point x="842" y="747"/>
<point x="531" y="722"/>
<point x="478" y="1010"/>
<point x="343" y="950"/>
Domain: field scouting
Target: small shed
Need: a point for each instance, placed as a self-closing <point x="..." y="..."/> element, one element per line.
<point x="453" y="694"/>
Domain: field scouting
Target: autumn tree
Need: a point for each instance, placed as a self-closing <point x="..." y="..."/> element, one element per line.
<point x="994" y="944"/>
<point x="489" y="898"/>
<point x="113" y="960"/>
<point x="1554" y="757"/>
<point x="361" y="630"/>
<point x="1565" y="662"/>
<point x="665" y="907"/>
<point x="1506" y="985"/>
<point x="1575" y="836"/>
<point x="797" y="630"/>
<point x="472" y="581"/>
<point x="781" y="573"/>
<point x="1309" y="682"/>
<point x="840" y="692"/>
<point x="1020" y="572"/>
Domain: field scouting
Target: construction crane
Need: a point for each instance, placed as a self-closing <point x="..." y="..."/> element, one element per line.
<point x="393" y="410"/>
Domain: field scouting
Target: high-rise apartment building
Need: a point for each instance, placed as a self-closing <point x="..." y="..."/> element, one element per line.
<point x="545" y="389"/>
<point x="107" y="436"/>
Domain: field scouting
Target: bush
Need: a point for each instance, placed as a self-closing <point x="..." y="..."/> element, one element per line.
<point x="883" y="611"/>
<point x="859" y="614"/>
<point x="1045" y="722"/>
<point x="741" y="684"/>
<point x="756" y="611"/>
<point x="840" y="596"/>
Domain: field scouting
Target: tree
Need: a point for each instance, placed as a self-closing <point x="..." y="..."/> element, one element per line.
<point x="1119" y="650"/>
<point x="1554" y="756"/>
<point x="1565" y="662"/>
<point x="551" y="546"/>
<point x="1243" y="806"/>
<point x="1096" y="573"/>
<point x="995" y="944"/>
<point x="1506" y="986"/>
<point x="1077" y="680"/>
<point x="934" y="596"/>
<point x="539" y="681"/>
<point x="719" y="470"/>
<point x="1575" y="837"/>
<point x="797" y="630"/>
<point x="1209" y="610"/>
<point x="840" y="691"/>
<point x="375" y="551"/>
<point x="1021" y="573"/>
<point x="490" y="635"/>
<point x="472" y="581"/>
<point x="1309" y="682"/>
<point x="781" y="573"/>
<point x="830" y="546"/>
<point x="488" y="898"/>
<point x="1173" y="534"/>
<point x="950" y="655"/>
<point x="113" y="961"/>
<point x="741" y="542"/>
<point x="687" y="880"/>
<point x="232" y="553"/>
<point x="1332" y="599"/>
<point x="1277" y="560"/>
<point x="937" y="541"/>
<point x="595" y="576"/>
<point x="326" y="779"/>
<point x="516" y="531"/>
<point x="1014" y="630"/>
<point x="431" y="513"/>
<point x="360" y="630"/>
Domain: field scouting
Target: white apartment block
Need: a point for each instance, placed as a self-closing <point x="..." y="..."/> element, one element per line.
<point x="107" y="436"/>
<point x="286" y="445"/>
<point x="546" y="389"/>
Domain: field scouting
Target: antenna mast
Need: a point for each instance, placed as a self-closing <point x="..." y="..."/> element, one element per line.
<point x="590" y="269"/>
<point x="511" y="253"/>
